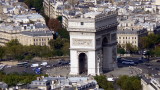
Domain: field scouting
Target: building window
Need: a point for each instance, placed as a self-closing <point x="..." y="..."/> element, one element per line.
<point x="126" y="37"/>
<point x="135" y="37"/>
<point x="82" y="23"/>
<point x="119" y="37"/>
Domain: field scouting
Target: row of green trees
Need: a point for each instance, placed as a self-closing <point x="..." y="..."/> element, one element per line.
<point x="127" y="48"/>
<point x="14" y="50"/>
<point x="124" y="82"/>
<point x="151" y="43"/>
<point x="14" y="78"/>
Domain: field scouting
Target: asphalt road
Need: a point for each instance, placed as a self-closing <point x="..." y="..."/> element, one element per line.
<point x="51" y="65"/>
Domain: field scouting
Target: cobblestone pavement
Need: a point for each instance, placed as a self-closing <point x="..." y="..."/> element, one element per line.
<point x="130" y="71"/>
<point x="58" y="71"/>
<point x="64" y="71"/>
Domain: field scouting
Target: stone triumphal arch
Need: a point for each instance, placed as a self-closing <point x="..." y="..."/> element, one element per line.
<point x="93" y="43"/>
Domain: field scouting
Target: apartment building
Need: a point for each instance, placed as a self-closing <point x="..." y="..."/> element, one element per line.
<point x="130" y="36"/>
<point x="27" y="37"/>
<point x="52" y="8"/>
<point x="35" y="38"/>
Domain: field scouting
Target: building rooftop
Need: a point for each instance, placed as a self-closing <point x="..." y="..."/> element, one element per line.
<point x="37" y="33"/>
<point x="91" y="14"/>
<point x="28" y="16"/>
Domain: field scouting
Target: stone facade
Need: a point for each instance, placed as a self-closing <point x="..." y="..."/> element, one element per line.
<point x="130" y="36"/>
<point x="26" y="38"/>
<point x="53" y="9"/>
<point x="94" y="37"/>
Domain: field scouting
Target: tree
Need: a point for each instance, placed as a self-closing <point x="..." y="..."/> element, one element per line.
<point x="65" y="48"/>
<point x="13" y="42"/>
<point x="149" y="41"/>
<point x="129" y="83"/>
<point x="144" y="43"/>
<point x="14" y="49"/>
<point x="103" y="83"/>
<point x="54" y="25"/>
<point x="137" y="84"/>
<point x="16" y="52"/>
<point x="57" y="44"/>
<point x="156" y="51"/>
<point x="29" y="3"/>
<point x="38" y="4"/>
<point x="2" y="52"/>
<point x="59" y="18"/>
<point x="63" y="33"/>
<point x="14" y="78"/>
<point x="60" y="46"/>
<point x="120" y="50"/>
<point x="131" y="48"/>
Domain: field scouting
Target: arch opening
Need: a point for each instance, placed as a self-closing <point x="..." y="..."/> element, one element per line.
<point x="104" y="54"/>
<point x="83" y="65"/>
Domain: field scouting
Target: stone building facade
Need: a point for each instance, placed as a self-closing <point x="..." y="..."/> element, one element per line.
<point x="52" y="8"/>
<point x="130" y="36"/>
<point x="27" y="37"/>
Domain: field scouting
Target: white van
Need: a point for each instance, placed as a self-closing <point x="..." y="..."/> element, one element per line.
<point x="44" y="63"/>
<point x="35" y="65"/>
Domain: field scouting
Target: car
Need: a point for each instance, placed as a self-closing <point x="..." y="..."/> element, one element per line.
<point x="157" y="68"/>
<point x="48" y="66"/>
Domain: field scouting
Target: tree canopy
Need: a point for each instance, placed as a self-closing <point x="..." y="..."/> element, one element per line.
<point x="103" y="83"/>
<point x="14" y="78"/>
<point x="150" y="41"/>
<point x="14" y="50"/>
<point x="54" y="24"/>
<point x="129" y="83"/>
<point x="60" y="46"/>
<point x="37" y="4"/>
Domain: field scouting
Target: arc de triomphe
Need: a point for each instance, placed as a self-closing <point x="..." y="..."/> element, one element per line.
<point x="93" y="43"/>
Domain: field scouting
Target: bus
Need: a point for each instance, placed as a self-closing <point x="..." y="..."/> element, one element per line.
<point x="128" y="62"/>
<point x="22" y="64"/>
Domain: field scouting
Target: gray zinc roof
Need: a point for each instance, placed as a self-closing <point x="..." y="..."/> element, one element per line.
<point x="37" y="33"/>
